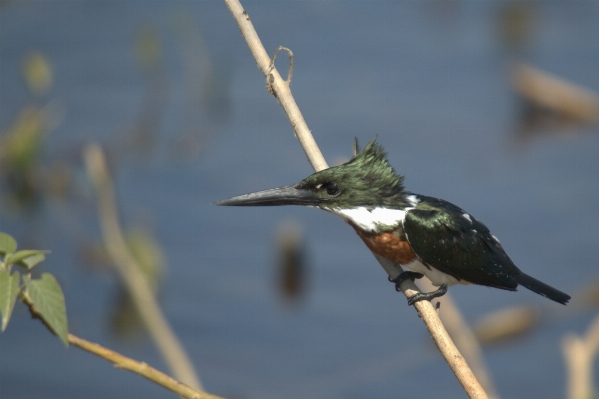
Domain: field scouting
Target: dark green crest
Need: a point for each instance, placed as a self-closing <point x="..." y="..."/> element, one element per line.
<point x="366" y="180"/>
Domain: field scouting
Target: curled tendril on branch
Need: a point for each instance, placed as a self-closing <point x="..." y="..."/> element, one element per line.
<point x="272" y="66"/>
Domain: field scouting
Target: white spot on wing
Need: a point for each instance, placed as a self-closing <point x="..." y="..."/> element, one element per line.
<point x="467" y="217"/>
<point x="370" y="219"/>
<point x="413" y="200"/>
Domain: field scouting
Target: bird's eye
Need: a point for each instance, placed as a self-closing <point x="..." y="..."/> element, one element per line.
<point x="332" y="189"/>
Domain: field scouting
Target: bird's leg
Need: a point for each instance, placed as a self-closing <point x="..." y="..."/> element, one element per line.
<point x="428" y="295"/>
<point x="403" y="276"/>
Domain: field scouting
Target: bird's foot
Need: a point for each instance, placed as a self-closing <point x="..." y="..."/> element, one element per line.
<point x="403" y="276"/>
<point x="428" y="296"/>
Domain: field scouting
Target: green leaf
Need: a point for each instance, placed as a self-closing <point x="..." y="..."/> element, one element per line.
<point x="7" y="244"/>
<point x="48" y="298"/>
<point x="9" y="288"/>
<point x="33" y="260"/>
<point x="27" y="257"/>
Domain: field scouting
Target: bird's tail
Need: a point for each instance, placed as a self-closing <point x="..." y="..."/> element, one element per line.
<point x="542" y="289"/>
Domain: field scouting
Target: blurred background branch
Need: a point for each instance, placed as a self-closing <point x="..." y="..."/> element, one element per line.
<point x="555" y="94"/>
<point x="145" y="303"/>
<point x="580" y="353"/>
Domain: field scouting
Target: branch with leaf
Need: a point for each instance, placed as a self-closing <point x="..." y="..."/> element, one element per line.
<point x="45" y="300"/>
<point x="43" y="295"/>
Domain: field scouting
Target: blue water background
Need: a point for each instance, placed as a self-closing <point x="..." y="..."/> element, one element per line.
<point x="432" y="79"/>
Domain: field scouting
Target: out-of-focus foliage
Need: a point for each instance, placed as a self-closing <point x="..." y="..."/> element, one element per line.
<point x="515" y="23"/>
<point x="292" y="270"/>
<point x="20" y="147"/>
<point x="148" y="49"/>
<point x="147" y="252"/>
<point x="37" y="73"/>
<point x="125" y="321"/>
<point x="22" y="177"/>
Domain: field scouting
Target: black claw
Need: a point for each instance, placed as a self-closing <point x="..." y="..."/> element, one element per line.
<point x="403" y="276"/>
<point x="428" y="295"/>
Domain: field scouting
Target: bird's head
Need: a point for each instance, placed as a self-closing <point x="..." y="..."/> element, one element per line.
<point x="367" y="180"/>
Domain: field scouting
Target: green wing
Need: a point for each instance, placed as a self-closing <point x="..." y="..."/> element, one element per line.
<point x="443" y="238"/>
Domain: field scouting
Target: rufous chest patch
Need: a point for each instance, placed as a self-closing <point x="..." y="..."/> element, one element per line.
<point x="389" y="245"/>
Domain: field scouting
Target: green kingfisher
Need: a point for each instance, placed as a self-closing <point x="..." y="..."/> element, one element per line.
<point x="429" y="236"/>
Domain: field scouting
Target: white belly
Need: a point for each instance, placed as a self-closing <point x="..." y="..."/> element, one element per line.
<point x="435" y="276"/>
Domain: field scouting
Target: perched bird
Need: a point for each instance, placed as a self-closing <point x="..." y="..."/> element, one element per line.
<point x="427" y="235"/>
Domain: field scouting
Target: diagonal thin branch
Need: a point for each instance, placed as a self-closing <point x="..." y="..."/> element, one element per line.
<point x="126" y="363"/>
<point x="278" y="86"/>
<point x="145" y="303"/>
<point x="280" y="89"/>
<point x="141" y="368"/>
<point x="466" y="341"/>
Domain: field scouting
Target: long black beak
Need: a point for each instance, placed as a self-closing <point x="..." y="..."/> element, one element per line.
<point x="288" y="195"/>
